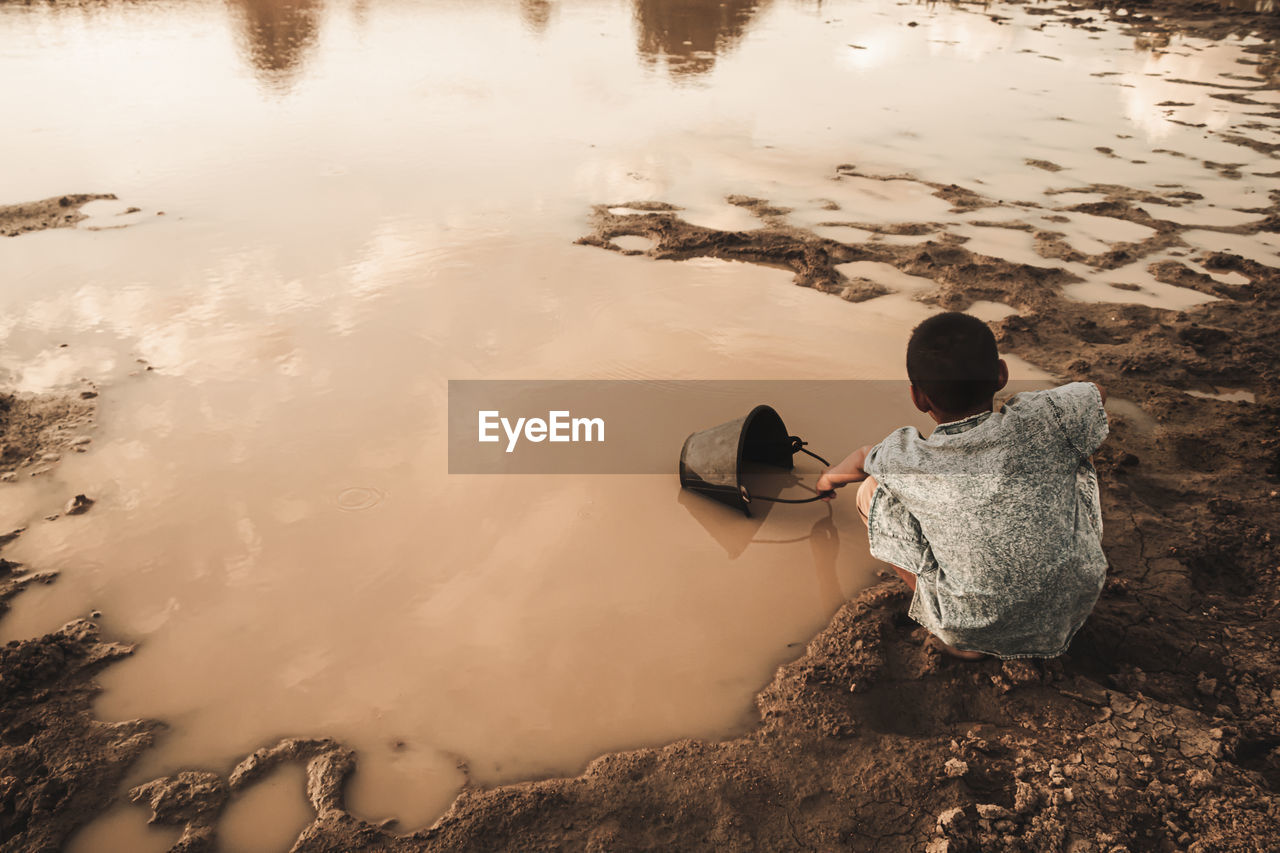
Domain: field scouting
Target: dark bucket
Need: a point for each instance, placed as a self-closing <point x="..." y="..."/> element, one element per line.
<point x="711" y="460"/>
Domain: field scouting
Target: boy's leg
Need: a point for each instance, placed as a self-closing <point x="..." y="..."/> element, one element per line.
<point x="866" y="490"/>
<point x="962" y="654"/>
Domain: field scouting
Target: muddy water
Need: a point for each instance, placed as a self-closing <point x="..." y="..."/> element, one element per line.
<point x="341" y="206"/>
<point x="296" y="561"/>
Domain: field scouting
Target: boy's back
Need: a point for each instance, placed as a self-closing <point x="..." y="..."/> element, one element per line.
<point x="997" y="515"/>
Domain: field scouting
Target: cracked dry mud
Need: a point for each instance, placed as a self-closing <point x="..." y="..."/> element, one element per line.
<point x="1159" y="730"/>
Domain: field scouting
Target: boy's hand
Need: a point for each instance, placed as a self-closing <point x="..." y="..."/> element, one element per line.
<point x="831" y="481"/>
<point x="843" y="473"/>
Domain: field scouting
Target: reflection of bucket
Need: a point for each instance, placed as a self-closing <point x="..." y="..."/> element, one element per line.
<point x="711" y="460"/>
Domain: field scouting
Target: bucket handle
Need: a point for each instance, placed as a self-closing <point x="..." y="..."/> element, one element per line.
<point x="797" y="445"/>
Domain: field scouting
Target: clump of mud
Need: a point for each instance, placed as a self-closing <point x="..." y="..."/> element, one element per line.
<point x="58" y="765"/>
<point x="963" y="276"/>
<point x="58" y="212"/>
<point x="36" y="429"/>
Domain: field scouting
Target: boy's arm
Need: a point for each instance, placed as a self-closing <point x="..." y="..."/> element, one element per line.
<point x="1078" y="409"/>
<point x="848" y="471"/>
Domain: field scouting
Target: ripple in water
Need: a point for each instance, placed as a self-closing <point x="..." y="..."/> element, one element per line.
<point x="357" y="498"/>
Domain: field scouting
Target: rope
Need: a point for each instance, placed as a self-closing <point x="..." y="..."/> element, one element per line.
<point x="797" y="444"/>
<point x="819" y="496"/>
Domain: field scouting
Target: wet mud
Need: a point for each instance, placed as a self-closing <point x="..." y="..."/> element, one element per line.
<point x="1158" y="730"/>
<point x="58" y="212"/>
<point x="58" y="765"/>
<point x="36" y="429"/>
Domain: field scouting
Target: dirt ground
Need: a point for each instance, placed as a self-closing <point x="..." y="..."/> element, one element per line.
<point x="1158" y="731"/>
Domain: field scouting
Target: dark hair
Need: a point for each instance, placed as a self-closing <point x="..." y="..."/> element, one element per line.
<point x="952" y="358"/>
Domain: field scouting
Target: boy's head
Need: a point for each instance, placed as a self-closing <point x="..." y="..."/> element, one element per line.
<point x="952" y="362"/>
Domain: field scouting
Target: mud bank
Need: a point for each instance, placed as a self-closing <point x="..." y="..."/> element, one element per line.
<point x="58" y="765"/>
<point x="58" y="212"/>
<point x="36" y="429"/>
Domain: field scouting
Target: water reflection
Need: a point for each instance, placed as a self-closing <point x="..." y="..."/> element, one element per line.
<point x="687" y="35"/>
<point x="276" y="37"/>
<point x="536" y="15"/>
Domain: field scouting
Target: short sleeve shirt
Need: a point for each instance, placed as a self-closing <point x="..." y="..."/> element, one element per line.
<point x="998" y="516"/>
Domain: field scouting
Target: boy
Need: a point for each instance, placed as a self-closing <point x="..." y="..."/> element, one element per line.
<point x="993" y="520"/>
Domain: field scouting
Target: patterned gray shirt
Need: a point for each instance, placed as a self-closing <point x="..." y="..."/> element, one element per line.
<point x="998" y="517"/>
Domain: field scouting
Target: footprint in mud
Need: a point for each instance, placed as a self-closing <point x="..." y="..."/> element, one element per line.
<point x="359" y="498"/>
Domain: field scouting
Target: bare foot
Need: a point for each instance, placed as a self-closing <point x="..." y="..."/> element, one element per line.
<point x="960" y="654"/>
